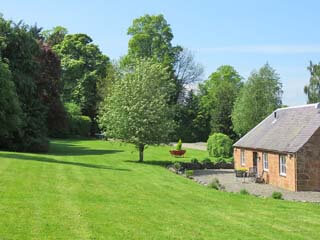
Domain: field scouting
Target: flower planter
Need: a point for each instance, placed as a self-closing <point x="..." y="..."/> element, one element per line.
<point x="177" y="153"/>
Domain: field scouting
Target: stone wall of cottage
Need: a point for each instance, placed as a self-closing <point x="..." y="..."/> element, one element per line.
<point x="272" y="175"/>
<point x="308" y="165"/>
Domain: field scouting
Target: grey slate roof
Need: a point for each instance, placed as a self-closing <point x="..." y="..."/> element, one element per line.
<point x="288" y="132"/>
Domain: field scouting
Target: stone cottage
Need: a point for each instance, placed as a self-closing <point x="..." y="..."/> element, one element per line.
<point x="284" y="149"/>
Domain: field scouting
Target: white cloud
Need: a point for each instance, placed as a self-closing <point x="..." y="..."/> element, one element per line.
<point x="263" y="49"/>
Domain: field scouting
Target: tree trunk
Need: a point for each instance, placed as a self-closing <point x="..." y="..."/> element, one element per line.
<point x="141" y="149"/>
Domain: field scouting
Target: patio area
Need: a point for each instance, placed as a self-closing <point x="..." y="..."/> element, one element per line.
<point x="232" y="184"/>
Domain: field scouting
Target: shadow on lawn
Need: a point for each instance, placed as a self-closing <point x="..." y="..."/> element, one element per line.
<point x="67" y="149"/>
<point x="152" y="162"/>
<point x="50" y="160"/>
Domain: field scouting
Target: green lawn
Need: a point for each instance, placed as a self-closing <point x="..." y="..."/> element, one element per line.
<point x="96" y="190"/>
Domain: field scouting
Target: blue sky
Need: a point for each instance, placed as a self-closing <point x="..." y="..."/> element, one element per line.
<point x="245" y="34"/>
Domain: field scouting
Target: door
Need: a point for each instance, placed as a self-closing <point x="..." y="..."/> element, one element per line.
<point x="255" y="161"/>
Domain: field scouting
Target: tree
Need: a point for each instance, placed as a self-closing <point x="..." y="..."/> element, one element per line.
<point x="259" y="97"/>
<point x="83" y="66"/>
<point x="192" y="119"/>
<point x="10" y="112"/>
<point x="55" y="35"/>
<point x="137" y="110"/>
<point x="151" y="37"/>
<point x="187" y="71"/>
<point x="218" y="95"/>
<point x="312" y="90"/>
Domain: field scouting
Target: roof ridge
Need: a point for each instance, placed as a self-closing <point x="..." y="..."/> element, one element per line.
<point x="299" y="106"/>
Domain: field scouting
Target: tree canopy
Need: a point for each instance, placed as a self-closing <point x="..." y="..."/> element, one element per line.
<point x="259" y="97"/>
<point x="218" y="95"/>
<point x="312" y="90"/>
<point x="83" y="66"/>
<point x="137" y="110"/>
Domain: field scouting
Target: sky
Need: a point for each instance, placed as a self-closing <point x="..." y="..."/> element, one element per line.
<point x="244" y="34"/>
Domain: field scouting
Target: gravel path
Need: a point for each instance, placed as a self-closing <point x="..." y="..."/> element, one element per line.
<point x="232" y="184"/>
<point x="197" y="145"/>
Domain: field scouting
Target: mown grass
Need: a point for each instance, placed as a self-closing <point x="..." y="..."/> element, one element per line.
<point x="96" y="190"/>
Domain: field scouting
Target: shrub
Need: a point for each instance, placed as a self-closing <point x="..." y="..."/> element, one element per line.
<point x="194" y="160"/>
<point x="179" y="145"/>
<point x="189" y="173"/>
<point x="78" y="125"/>
<point x="244" y="192"/>
<point x="219" y="145"/>
<point x="215" y="184"/>
<point x="177" y="166"/>
<point x="206" y="161"/>
<point x="277" y="195"/>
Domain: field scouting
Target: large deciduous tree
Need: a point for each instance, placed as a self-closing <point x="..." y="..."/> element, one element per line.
<point x="83" y="66"/>
<point x="137" y="110"/>
<point x="10" y="111"/>
<point x="259" y="97"/>
<point x="312" y="90"/>
<point x="218" y="95"/>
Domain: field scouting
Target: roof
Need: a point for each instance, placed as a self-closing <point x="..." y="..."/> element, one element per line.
<point x="287" y="132"/>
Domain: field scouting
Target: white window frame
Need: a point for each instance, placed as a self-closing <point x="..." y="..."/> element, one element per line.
<point x="242" y="158"/>
<point x="265" y="161"/>
<point x="283" y="165"/>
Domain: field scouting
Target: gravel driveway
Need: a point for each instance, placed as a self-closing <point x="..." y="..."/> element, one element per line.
<point x="197" y="145"/>
<point x="232" y="184"/>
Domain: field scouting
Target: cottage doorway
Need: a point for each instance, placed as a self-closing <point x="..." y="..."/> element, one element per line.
<point x="255" y="162"/>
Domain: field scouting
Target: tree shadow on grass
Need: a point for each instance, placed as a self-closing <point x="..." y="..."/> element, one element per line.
<point x="50" y="160"/>
<point x="67" y="149"/>
<point x="152" y="162"/>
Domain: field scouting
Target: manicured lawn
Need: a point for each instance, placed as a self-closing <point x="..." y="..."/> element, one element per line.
<point x="96" y="190"/>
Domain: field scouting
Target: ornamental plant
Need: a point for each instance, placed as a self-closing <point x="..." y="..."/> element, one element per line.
<point x="179" y="145"/>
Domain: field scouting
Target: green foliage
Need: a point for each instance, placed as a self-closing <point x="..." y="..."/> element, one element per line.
<point x="151" y="37"/>
<point x="177" y="166"/>
<point x="206" y="160"/>
<point x="259" y="97"/>
<point x="55" y="35"/>
<point x="137" y="111"/>
<point x="277" y="195"/>
<point x="192" y="119"/>
<point x="189" y="173"/>
<point x="10" y="113"/>
<point x="312" y="90"/>
<point x="179" y="145"/>
<point x="84" y="66"/>
<point x="78" y="125"/>
<point x="194" y="160"/>
<point x="218" y="95"/>
<point x="244" y="192"/>
<point x="21" y="50"/>
<point x="215" y="184"/>
<point x="219" y="145"/>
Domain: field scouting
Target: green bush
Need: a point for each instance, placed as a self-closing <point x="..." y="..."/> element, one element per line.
<point x="189" y="173"/>
<point x="78" y="125"/>
<point x="177" y="166"/>
<point x="179" y="145"/>
<point x="219" y="145"/>
<point x="277" y="195"/>
<point x="194" y="160"/>
<point x="215" y="184"/>
<point x="206" y="161"/>
<point x="244" y="192"/>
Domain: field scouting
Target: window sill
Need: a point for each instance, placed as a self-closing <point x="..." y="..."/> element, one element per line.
<point x="283" y="175"/>
<point x="266" y="170"/>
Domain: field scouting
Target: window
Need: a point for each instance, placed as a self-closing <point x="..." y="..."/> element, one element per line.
<point x="243" y="161"/>
<point x="283" y="165"/>
<point x="265" y="161"/>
